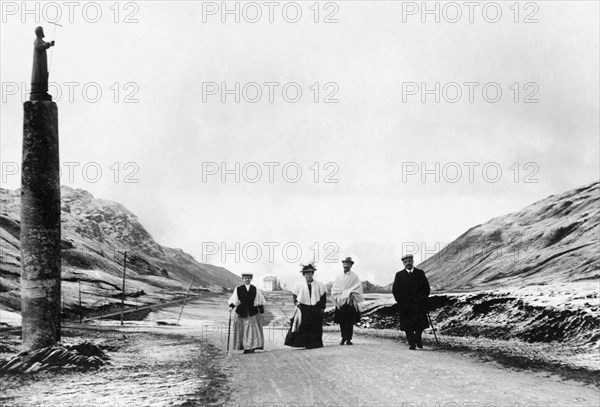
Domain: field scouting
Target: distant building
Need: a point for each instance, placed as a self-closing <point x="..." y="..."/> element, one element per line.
<point x="271" y="283"/>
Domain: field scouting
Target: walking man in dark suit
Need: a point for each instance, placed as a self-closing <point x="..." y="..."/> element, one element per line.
<point x="411" y="291"/>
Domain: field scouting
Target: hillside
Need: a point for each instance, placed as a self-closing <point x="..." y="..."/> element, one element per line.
<point x="95" y="233"/>
<point x="368" y="287"/>
<point x="553" y="240"/>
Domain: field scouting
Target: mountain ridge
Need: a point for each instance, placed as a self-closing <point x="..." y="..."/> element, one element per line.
<point x="95" y="235"/>
<point x="525" y="246"/>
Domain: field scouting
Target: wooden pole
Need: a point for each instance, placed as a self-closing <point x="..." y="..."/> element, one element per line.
<point x="185" y="299"/>
<point x="123" y="289"/>
<point x="229" y="330"/>
<point x="432" y="327"/>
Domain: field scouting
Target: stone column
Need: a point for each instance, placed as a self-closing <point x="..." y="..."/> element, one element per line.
<point x="40" y="226"/>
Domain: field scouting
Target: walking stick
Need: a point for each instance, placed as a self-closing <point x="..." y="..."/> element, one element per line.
<point x="432" y="327"/>
<point x="229" y="330"/>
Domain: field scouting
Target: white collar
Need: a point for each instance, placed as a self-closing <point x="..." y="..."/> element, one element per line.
<point x="247" y="287"/>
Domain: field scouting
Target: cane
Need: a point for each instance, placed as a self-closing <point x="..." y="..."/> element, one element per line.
<point x="432" y="327"/>
<point x="229" y="330"/>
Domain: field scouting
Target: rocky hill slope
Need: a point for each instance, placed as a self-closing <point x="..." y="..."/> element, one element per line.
<point x="556" y="239"/>
<point x="95" y="233"/>
<point x="553" y="325"/>
<point x="368" y="287"/>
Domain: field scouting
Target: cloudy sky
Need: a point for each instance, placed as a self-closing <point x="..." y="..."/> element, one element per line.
<point x="329" y="129"/>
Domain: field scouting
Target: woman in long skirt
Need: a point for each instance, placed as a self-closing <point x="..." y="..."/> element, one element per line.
<point x="249" y="304"/>
<point x="310" y="297"/>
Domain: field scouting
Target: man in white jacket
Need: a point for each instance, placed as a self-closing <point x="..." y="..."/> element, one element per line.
<point x="347" y="293"/>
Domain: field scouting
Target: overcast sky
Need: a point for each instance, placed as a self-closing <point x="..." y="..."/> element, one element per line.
<point x="378" y="66"/>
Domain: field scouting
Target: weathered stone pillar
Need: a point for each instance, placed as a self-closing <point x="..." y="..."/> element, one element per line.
<point x="40" y="226"/>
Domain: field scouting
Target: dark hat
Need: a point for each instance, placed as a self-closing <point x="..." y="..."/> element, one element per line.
<point x="247" y="274"/>
<point x="309" y="268"/>
<point x="348" y="260"/>
<point x="406" y="256"/>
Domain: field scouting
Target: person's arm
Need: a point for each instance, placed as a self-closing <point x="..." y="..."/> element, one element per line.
<point x="44" y="45"/>
<point x="322" y="301"/>
<point x="336" y="292"/>
<point x="260" y="301"/>
<point x="234" y="300"/>
<point x="426" y="290"/>
<point x="295" y="299"/>
<point x="396" y="288"/>
<point x="360" y="291"/>
<point x="422" y="287"/>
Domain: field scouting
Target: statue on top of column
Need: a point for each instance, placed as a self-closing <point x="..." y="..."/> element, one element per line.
<point x="39" y="76"/>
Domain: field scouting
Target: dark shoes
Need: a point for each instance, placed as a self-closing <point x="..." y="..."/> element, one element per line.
<point x="419" y="340"/>
<point x="342" y="342"/>
<point x="346" y="341"/>
<point x="349" y="342"/>
<point x="414" y="340"/>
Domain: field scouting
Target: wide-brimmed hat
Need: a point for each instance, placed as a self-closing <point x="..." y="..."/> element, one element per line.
<point x="247" y="274"/>
<point x="348" y="260"/>
<point x="406" y="256"/>
<point x="309" y="268"/>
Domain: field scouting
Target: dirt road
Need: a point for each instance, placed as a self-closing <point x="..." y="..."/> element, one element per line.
<point x="154" y="365"/>
<point x="373" y="372"/>
<point x="377" y="372"/>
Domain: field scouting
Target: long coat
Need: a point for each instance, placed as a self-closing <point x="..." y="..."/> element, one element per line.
<point x="411" y="292"/>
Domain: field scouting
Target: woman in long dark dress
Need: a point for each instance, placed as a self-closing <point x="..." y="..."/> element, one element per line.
<point x="310" y="296"/>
